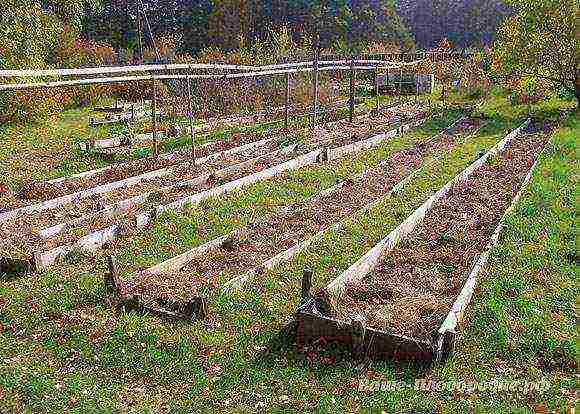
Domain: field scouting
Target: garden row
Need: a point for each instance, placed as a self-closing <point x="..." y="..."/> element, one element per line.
<point x="36" y="235"/>
<point x="405" y="298"/>
<point x="247" y="252"/>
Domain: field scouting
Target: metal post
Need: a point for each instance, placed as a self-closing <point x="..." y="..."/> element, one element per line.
<point x="351" y="91"/>
<point x="287" y="109"/>
<point x="191" y="130"/>
<point x="154" y="112"/>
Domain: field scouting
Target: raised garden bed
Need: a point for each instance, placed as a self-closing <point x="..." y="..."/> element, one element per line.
<point x="44" y="235"/>
<point x="95" y="197"/>
<point x="248" y="251"/>
<point x="33" y="191"/>
<point x="83" y="181"/>
<point x="53" y="224"/>
<point x="117" y="145"/>
<point x="120" y="116"/>
<point x="402" y="299"/>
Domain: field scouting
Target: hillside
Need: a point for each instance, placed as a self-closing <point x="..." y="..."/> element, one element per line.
<point x="464" y="22"/>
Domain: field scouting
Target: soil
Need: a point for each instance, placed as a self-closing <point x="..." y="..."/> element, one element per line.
<point x="24" y="229"/>
<point x="278" y="232"/>
<point x="414" y="287"/>
<point x="21" y="232"/>
<point x="38" y="190"/>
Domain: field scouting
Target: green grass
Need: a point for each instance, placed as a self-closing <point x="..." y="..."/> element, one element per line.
<point x="62" y="348"/>
<point x="46" y="150"/>
<point x="173" y="234"/>
<point x="523" y="313"/>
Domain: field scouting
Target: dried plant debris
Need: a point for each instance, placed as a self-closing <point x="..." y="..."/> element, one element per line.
<point x="24" y="230"/>
<point x="413" y="288"/>
<point x="36" y="221"/>
<point x="35" y="191"/>
<point x="38" y="190"/>
<point x="343" y="132"/>
<point x="264" y="239"/>
<point x="82" y="217"/>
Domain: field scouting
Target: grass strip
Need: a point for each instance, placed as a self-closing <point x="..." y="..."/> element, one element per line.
<point x="173" y="234"/>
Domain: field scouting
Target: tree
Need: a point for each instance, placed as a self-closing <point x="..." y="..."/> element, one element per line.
<point x="444" y="69"/>
<point x="541" y="41"/>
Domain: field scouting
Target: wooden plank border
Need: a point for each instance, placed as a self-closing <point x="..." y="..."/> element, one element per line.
<point x="179" y="261"/>
<point x="126" y="182"/>
<point x="166" y="156"/>
<point x="291" y="252"/>
<point x="93" y="241"/>
<point x="128" y="203"/>
<point x="447" y="331"/>
<point x="96" y="239"/>
<point x="311" y="324"/>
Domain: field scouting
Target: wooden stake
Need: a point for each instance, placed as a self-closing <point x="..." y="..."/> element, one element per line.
<point x="154" y="111"/>
<point x="191" y="120"/>
<point x="287" y="109"/>
<point x="377" y="95"/>
<point x="351" y="92"/>
<point x="315" y="103"/>
<point x="306" y="286"/>
<point x="112" y="276"/>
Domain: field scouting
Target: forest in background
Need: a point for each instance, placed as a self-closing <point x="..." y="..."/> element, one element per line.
<point x="233" y="24"/>
<point x="464" y="22"/>
<point x="85" y="33"/>
<point x="71" y="33"/>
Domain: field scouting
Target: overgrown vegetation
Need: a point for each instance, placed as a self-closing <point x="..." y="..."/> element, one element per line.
<point x="57" y="323"/>
<point x="65" y="345"/>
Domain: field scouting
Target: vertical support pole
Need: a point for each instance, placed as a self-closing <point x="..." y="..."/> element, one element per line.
<point x="287" y="98"/>
<point x="377" y="95"/>
<point x="132" y="123"/>
<point x="174" y="106"/>
<point x="190" y="114"/>
<point x="140" y="37"/>
<point x="306" y="286"/>
<point x="401" y="84"/>
<point x="387" y="81"/>
<point x="416" y="87"/>
<point x="315" y="103"/>
<point x="351" y="91"/>
<point x="154" y="113"/>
